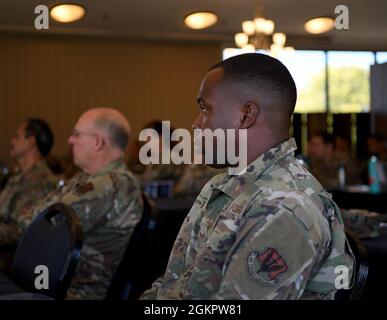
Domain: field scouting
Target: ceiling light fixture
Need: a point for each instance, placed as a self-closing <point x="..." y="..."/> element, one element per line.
<point x="200" y="20"/>
<point x="67" y="12"/>
<point x="241" y="39"/>
<point x="319" y="25"/>
<point x="258" y="34"/>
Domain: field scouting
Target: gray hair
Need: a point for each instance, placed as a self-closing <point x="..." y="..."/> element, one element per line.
<point x="118" y="135"/>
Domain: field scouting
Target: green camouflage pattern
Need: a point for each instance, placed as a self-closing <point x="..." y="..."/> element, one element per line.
<point x="22" y="191"/>
<point x="271" y="232"/>
<point x="364" y="223"/>
<point x="109" y="205"/>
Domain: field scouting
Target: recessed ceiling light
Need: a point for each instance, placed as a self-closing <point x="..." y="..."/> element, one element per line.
<point x="67" y="12"/>
<point x="200" y="20"/>
<point x="319" y="25"/>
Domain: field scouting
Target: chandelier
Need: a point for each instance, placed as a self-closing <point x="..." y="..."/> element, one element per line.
<point x="258" y="34"/>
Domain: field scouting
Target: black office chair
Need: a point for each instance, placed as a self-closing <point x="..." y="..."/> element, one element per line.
<point x="131" y="278"/>
<point x="52" y="240"/>
<point x="4" y="175"/>
<point x="360" y="269"/>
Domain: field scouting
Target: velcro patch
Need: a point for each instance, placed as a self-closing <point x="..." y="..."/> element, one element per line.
<point x="266" y="266"/>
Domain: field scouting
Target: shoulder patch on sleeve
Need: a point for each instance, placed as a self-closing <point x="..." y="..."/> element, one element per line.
<point x="266" y="266"/>
<point x="84" y="188"/>
<point x="269" y="257"/>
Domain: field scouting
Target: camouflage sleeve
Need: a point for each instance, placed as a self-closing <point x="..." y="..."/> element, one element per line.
<point x="25" y="218"/>
<point x="114" y="197"/>
<point x="151" y="294"/>
<point x="363" y="222"/>
<point x="90" y="201"/>
<point x="29" y="213"/>
<point x="270" y="261"/>
<point x="36" y="192"/>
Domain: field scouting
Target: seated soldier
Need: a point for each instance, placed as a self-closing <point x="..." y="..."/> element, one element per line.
<point x="33" y="181"/>
<point x="377" y="147"/>
<point x="194" y="178"/>
<point x="325" y="160"/>
<point x="271" y="231"/>
<point x="157" y="172"/>
<point x="105" y="196"/>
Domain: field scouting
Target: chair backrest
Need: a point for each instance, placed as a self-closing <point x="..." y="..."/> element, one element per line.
<point x="130" y="279"/>
<point x="51" y="244"/>
<point x="360" y="270"/>
<point x="4" y="175"/>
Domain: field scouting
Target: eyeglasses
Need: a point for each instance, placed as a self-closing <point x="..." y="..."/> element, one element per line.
<point x="76" y="133"/>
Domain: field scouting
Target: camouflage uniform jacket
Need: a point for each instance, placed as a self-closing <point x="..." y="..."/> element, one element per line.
<point x="109" y="205"/>
<point x="271" y="232"/>
<point x="22" y="190"/>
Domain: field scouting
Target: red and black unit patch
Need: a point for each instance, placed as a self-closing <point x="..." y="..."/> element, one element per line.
<point x="84" y="188"/>
<point x="265" y="267"/>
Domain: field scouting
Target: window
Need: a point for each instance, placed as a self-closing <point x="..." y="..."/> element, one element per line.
<point x="381" y="57"/>
<point x="348" y="80"/>
<point x="308" y="71"/>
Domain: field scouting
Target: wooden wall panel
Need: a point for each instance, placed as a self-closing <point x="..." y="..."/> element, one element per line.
<point x="57" y="78"/>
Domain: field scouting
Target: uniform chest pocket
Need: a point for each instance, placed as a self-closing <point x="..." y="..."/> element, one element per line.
<point x="222" y="233"/>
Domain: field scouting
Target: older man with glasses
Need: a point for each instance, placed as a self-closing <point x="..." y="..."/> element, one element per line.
<point x="105" y="195"/>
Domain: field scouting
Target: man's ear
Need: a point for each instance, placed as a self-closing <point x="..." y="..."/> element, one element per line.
<point x="32" y="141"/>
<point x="249" y="114"/>
<point x="99" y="142"/>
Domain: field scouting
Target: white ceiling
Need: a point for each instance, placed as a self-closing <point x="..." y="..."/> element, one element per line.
<point x="163" y="19"/>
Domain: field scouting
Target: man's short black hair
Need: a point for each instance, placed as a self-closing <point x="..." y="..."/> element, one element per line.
<point x="264" y="74"/>
<point x="43" y="135"/>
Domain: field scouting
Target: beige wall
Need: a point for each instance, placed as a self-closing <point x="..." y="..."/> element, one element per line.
<point x="57" y="78"/>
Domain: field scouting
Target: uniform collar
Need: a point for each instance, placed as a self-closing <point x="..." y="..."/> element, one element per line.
<point x="40" y="165"/>
<point x="233" y="185"/>
<point x="114" y="165"/>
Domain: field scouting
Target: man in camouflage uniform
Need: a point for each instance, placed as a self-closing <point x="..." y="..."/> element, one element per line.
<point x="160" y="172"/>
<point x="105" y="196"/>
<point x="270" y="232"/>
<point x="194" y="178"/>
<point x="325" y="161"/>
<point x="33" y="181"/>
